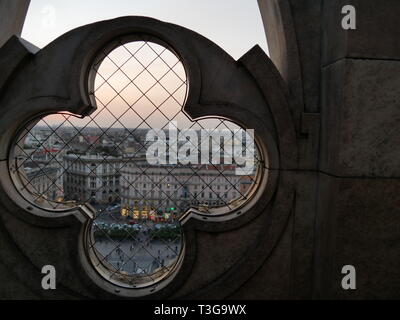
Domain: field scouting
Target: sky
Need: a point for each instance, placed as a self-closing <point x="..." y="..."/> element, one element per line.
<point x="235" y="25"/>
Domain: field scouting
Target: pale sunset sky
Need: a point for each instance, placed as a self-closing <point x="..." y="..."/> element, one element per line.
<point x="235" y="25"/>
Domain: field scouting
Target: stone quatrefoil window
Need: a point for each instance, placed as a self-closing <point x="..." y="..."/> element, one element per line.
<point x="115" y="161"/>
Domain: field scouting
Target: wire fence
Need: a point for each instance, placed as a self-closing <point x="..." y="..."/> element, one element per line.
<point x="102" y="159"/>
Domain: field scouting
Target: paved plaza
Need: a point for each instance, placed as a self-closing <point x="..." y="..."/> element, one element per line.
<point x="139" y="256"/>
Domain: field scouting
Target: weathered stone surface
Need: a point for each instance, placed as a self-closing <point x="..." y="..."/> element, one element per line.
<point x="360" y="117"/>
<point x="273" y="279"/>
<point x="12" y="54"/>
<point x="12" y="17"/>
<point x="293" y="33"/>
<point x="356" y="100"/>
<point x="361" y="225"/>
<point x="281" y="37"/>
<point x="376" y="36"/>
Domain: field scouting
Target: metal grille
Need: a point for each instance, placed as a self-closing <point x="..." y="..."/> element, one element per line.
<point x="64" y="160"/>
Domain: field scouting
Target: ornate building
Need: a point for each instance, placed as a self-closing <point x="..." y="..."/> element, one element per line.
<point x="43" y="181"/>
<point x="163" y="187"/>
<point x="91" y="178"/>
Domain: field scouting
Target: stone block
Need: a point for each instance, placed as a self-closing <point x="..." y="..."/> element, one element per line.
<point x="362" y="219"/>
<point x="360" y="118"/>
<point x="376" y="34"/>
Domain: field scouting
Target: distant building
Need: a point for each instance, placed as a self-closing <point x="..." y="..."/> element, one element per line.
<point x="246" y="182"/>
<point x="92" y="140"/>
<point x="163" y="187"/>
<point x="89" y="167"/>
<point x="91" y="178"/>
<point x="42" y="182"/>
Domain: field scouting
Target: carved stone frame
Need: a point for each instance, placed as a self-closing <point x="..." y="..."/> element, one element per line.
<point x="249" y="92"/>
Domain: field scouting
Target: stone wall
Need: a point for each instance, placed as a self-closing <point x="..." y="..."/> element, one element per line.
<point x="344" y="82"/>
<point x="12" y="17"/>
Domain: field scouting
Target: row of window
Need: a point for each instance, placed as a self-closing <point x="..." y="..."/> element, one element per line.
<point x="176" y="194"/>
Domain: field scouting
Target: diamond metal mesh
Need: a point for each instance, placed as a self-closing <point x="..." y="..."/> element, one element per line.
<point x="64" y="160"/>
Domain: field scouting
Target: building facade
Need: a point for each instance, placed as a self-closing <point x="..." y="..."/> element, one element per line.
<point x="43" y="182"/>
<point x="171" y="187"/>
<point x="91" y="178"/>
